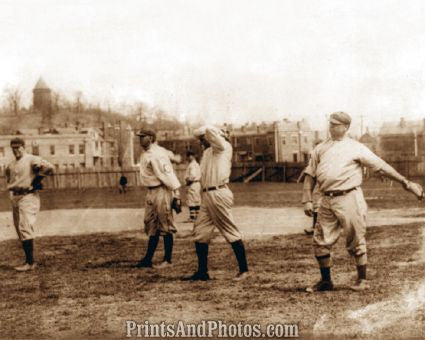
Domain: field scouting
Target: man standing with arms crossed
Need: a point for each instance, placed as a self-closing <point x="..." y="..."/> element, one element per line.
<point x="193" y="182"/>
<point x="217" y="201"/>
<point x="24" y="175"/>
<point x="157" y="175"/>
<point x="336" y="167"/>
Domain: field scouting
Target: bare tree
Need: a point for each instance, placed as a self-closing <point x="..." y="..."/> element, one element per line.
<point x="13" y="97"/>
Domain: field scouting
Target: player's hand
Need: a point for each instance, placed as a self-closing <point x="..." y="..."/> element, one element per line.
<point x="308" y="209"/>
<point x="414" y="188"/>
<point x="176" y="205"/>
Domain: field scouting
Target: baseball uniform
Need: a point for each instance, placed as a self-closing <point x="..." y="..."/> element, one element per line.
<point x="25" y="201"/>
<point x="217" y="198"/>
<point x="337" y="167"/>
<point x="157" y="174"/>
<point x="193" y="198"/>
<point x="21" y="175"/>
<point x="217" y="202"/>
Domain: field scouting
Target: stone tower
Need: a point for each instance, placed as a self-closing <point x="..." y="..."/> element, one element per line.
<point x="42" y="101"/>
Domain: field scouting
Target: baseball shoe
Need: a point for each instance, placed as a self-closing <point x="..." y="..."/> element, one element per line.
<point x="197" y="277"/>
<point x="360" y="285"/>
<point x="144" y="264"/>
<point x="162" y="265"/>
<point x="309" y="231"/>
<point x="320" y="286"/>
<point x="241" y="276"/>
<point x="26" y="267"/>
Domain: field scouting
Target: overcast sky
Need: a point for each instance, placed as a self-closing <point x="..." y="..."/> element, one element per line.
<point x="227" y="60"/>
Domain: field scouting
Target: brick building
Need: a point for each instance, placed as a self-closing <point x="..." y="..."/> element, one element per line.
<point x="69" y="148"/>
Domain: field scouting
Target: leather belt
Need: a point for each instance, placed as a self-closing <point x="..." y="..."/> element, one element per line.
<point x="214" y="188"/>
<point x="336" y="193"/>
<point x="155" y="186"/>
<point x="21" y="191"/>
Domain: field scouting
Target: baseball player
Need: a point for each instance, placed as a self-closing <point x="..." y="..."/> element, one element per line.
<point x="193" y="182"/>
<point x="157" y="175"/>
<point x="24" y="175"/>
<point x="336" y="168"/>
<point x="217" y="201"/>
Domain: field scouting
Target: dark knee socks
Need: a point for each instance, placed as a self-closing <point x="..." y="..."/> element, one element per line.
<point x="168" y="247"/>
<point x="361" y="272"/>
<point x="152" y="244"/>
<point x="28" y="246"/>
<point x="202" y="253"/>
<point x="239" y="250"/>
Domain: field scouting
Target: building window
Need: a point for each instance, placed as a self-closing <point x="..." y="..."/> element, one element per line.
<point x="294" y="139"/>
<point x="82" y="149"/>
<point x="97" y="145"/>
<point x="52" y="149"/>
<point x="283" y="140"/>
<point x="295" y="157"/>
<point x="35" y="150"/>
<point x="71" y="149"/>
<point x="257" y="141"/>
<point x="112" y="162"/>
<point x="1" y="151"/>
<point x="82" y="165"/>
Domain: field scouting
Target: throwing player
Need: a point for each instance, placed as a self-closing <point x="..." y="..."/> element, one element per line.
<point x="157" y="175"/>
<point x="217" y="201"/>
<point x="336" y="167"/>
<point x="24" y="175"/>
<point x="193" y="182"/>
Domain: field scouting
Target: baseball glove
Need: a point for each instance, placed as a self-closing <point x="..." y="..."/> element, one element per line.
<point x="415" y="189"/>
<point x="176" y="205"/>
<point x="36" y="183"/>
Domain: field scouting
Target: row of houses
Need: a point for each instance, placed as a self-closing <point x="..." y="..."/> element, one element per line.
<point x="282" y="141"/>
<point x="71" y="148"/>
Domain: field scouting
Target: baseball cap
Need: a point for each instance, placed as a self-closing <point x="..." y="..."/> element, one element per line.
<point x="146" y="132"/>
<point x="17" y="141"/>
<point x="341" y="118"/>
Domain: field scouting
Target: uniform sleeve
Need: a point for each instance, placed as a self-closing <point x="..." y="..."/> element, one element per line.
<point x="163" y="170"/>
<point x="312" y="163"/>
<point x="215" y="137"/>
<point x="42" y="167"/>
<point x="367" y="158"/>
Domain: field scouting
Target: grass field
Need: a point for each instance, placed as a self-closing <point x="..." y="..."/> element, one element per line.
<point x="85" y="286"/>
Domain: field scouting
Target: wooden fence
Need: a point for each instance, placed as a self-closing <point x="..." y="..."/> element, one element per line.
<point x="85" y="178"/>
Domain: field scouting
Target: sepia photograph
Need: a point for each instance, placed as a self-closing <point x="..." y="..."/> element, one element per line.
<point x="224" y="169"/>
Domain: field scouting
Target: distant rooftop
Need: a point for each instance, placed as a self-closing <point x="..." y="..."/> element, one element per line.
<point x="41" y="85"/>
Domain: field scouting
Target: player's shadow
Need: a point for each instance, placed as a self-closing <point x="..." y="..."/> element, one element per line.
<point x="111" y="264"/>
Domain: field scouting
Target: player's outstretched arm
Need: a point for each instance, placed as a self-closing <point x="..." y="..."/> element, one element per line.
<point x="415" y="188"/>
<point x="307" y="200"/>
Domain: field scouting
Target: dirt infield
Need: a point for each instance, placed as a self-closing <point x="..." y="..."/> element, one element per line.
<point x="85" y="287"/>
